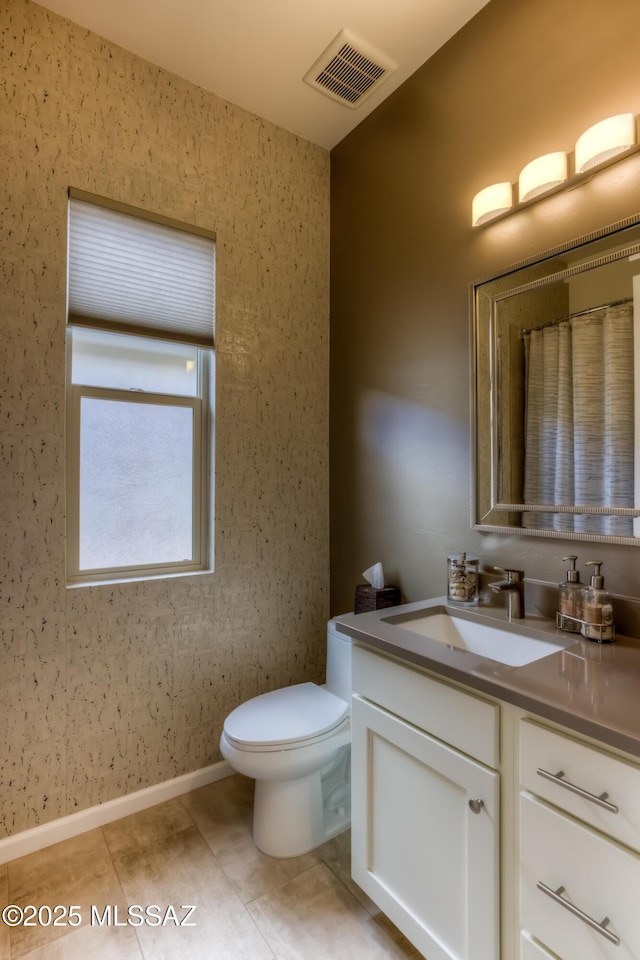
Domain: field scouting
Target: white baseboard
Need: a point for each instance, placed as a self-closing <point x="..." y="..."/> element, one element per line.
<point x="20" y="844"/>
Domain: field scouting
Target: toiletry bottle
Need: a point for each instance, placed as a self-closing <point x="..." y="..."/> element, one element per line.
<point x="570" y="598"/>
<point x="597" y="608"/>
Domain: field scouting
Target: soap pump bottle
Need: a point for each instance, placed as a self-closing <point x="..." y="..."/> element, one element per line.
<point x="570" y="598"/>
<point x="597" y="608"/>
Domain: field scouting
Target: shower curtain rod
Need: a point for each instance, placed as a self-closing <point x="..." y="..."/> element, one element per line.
<point x="578" y="313"/>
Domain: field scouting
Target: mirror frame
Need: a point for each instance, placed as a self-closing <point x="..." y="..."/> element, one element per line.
<point x="487" y="355"/>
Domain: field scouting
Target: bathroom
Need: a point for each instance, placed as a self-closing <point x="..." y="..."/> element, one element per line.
<point x="114" y="688"/>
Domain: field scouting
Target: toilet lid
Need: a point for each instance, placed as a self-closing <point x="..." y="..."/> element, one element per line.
<point x="284" y="716"/>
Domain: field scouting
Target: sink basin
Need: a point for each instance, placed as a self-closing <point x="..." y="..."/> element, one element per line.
<point x="514" y="649"/>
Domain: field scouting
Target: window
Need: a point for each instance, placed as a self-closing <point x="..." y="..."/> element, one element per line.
<point x="140" y="367"/>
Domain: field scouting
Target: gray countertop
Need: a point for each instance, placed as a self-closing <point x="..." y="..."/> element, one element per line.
<point x="588" y="687"/>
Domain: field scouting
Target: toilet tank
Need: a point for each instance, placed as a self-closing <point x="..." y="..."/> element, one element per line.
<point x="338" y="662"/>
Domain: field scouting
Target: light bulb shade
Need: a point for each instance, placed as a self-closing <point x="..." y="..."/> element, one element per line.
<point x="490" y="203"/>
<point x="605" y="140"/>
<point x="542" y="174"/>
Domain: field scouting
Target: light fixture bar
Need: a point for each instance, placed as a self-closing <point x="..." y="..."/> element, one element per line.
<point x="599" y="147"/>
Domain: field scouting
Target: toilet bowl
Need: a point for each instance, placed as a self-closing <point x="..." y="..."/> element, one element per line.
<point x="296" y="744"/>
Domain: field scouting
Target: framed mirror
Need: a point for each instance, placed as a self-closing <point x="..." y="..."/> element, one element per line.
<point x="555" y="408"/>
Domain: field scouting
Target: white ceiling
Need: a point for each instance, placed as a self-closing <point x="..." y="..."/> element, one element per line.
<point x="255" y="53"/>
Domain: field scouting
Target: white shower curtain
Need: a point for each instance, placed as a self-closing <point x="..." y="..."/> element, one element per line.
<point x="579" y="434"/>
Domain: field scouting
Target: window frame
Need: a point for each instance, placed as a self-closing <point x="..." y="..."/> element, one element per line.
<point x="201" y="471"/>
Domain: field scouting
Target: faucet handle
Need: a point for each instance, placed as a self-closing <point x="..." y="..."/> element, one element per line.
<point x="513" y="576"/>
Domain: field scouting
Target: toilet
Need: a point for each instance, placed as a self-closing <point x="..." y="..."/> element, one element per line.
<point x="296" y="744"/>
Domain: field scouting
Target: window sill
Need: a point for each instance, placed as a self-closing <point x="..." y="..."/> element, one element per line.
<point x="73" y="585"/>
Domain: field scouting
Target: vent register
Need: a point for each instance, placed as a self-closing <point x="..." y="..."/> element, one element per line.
<point x="349" y="70"/>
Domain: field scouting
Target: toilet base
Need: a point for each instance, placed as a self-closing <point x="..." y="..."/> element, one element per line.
<point x="292" y="817"/>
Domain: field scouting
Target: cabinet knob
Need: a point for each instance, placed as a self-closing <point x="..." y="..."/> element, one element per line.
<point x="476" y="805"/>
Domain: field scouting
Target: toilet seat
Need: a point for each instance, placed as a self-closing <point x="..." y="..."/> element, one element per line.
<point x="286" y="718"/>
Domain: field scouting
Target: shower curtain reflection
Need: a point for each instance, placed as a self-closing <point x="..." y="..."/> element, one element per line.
<point x="579" y="420"/>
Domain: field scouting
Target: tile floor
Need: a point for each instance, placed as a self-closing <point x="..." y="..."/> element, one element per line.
<point x="198" y="850"/>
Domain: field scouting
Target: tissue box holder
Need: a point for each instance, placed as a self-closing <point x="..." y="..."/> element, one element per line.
<point x="369" y="598"/>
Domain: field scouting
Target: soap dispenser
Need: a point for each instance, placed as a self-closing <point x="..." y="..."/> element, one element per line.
<point x="597" y="608"/>
<point x="570" y="598"/>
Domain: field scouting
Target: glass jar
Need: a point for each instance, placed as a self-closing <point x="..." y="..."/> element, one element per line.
<point x="462" y="578"/>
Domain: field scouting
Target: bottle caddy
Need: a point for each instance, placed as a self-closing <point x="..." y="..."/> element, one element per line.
<point x="587" y="610"/>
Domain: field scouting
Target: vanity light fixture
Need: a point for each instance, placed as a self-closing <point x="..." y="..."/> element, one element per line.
<point x="605" y="140"/>
<point x="602" y="144"/>
<point x="542" y="174"/>
<point x="491" y="202"/>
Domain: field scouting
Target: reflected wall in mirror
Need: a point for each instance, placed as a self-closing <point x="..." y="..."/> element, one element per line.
<point x="556" y="414"/>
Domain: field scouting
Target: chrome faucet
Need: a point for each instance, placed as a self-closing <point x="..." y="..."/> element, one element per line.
<point x="513" y="586"/>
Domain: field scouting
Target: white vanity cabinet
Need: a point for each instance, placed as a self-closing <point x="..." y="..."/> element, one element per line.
<point x="579" y="849"/>
<point x="553" y="875"/>
<point x="425" y="807"/>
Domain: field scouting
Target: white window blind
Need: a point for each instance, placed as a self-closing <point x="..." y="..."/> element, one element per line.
<point x="135" y="274"/>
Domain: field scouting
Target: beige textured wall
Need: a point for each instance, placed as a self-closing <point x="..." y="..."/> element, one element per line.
<point x="520" y="80"/>
<point x="105" y="690"/>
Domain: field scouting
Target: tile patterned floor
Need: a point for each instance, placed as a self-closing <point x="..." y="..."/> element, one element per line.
<point x="198" y="850"/>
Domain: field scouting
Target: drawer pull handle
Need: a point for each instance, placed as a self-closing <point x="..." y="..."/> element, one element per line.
<point x="476" y="805"/>
<point x="600" y="927"/>
<point x="602" y="800"/>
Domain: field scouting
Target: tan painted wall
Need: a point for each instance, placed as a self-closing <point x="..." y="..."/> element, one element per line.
<point x="520" y="80"/>
<point x="105" y="690"/>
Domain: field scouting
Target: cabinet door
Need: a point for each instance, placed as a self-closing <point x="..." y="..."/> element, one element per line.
<point x="418" y="849"/>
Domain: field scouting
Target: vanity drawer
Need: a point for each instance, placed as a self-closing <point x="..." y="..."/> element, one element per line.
<point x="589" y="770"/>
<point x="582" y="869"/>
<point x="461" y="719"/>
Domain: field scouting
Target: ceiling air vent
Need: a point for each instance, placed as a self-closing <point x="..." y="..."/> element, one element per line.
<point x="349" y="70"/>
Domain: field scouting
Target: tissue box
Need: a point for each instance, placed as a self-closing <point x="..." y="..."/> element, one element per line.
<point x="369" y="598"/>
